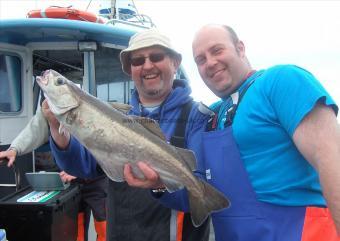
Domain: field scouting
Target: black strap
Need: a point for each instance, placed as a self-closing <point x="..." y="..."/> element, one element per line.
<point x="177" y="138"/>
<point x="232" y="110"/>
<point x="212" y="123"/>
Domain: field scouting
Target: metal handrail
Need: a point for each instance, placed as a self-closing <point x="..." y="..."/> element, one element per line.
<point x="135" y="24"/>
<point x="16" y="171"/>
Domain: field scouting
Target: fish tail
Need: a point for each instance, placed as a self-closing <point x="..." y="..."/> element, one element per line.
<point x="212" y="200"/>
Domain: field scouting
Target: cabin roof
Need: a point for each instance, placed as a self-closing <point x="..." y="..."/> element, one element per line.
<point x="28" y="30"/>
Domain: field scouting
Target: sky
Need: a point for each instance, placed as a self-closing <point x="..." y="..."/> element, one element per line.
<point x="305" y="33"/>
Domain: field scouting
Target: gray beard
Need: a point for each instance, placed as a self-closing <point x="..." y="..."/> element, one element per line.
<point x="153" y="92"/>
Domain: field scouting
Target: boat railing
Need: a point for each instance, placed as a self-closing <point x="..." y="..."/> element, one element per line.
<point x="135" y="24"/>
<point x="125" y="14"/>
<point x="141" y="20"/>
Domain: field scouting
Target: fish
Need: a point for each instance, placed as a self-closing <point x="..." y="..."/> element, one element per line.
<point x="115" y="139"/>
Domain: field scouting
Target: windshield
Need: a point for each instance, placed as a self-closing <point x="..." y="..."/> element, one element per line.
<point x="10" y="83"/>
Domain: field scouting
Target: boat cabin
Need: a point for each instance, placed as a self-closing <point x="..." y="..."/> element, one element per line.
<point x="84" y="52"/>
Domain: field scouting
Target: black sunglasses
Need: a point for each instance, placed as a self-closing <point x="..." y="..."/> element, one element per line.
<point x="153" y="57"/>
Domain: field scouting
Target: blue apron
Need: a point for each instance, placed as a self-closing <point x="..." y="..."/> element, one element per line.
<point x="247" y="219"/>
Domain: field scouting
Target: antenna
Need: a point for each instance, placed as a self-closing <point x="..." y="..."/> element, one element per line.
<point x="88" y="5"/>
<point x="113" y="9"/>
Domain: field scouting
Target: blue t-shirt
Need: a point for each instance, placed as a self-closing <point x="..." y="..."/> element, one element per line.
<point x="263" y="128"/>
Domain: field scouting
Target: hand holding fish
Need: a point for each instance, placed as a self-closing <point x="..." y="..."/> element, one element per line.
<point x="52" y="120"/>
<point x="61" y="139"/>
<point x="151" y="177"/>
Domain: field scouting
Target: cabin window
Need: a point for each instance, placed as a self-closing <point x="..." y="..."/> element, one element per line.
<point x="10" y="83"/>
<point x="112" y="84"/>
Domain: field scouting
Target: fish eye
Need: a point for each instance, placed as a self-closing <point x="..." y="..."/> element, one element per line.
<point x="60" y="81"/>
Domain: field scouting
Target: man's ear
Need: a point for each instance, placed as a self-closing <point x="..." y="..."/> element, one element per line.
<point x="240" y="48"/>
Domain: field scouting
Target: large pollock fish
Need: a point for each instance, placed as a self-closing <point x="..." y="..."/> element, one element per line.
<point x="115" y="139"/>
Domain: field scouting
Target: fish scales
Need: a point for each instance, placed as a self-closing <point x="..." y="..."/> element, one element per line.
<point x="132" y="149"/>
<point x="106" y="144"/>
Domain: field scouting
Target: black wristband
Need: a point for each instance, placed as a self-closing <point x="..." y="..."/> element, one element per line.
<point x="158" y="192"/>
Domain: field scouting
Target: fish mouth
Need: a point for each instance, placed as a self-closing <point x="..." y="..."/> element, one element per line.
<point x="57" y="108"/>
<point x="43" y="79"/>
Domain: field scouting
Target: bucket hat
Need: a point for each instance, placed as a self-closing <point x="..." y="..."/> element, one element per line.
<point x="145" y="39"/>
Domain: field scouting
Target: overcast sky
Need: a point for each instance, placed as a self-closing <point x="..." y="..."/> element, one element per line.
<point x="306" y="33"/>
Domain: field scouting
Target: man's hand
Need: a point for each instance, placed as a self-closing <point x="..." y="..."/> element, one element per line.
<point x="10" y="154"/>
<point x="151" y="180"/>
<point x="66" y="177"/>
<point x="52" y="120"/>
<point x="61" y="139"/>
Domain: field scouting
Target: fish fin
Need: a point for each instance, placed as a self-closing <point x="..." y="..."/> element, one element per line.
<point x="171" y="185"/>
<point x="125" y="108"/>
<point x="116" y="173"/>
<point x="149" y="124"/>
<point x="115" y="178"/>
<point x="212" y="200"/>
<point x="188" y="157"/>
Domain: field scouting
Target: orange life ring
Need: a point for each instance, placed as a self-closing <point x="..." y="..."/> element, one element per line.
<point x="65" y="13"/>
